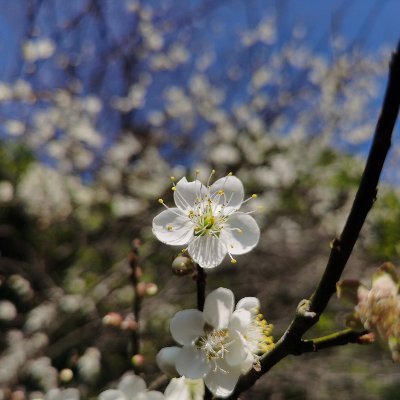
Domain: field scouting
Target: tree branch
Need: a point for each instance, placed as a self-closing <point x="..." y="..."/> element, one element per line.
<point x="309" y="311"/>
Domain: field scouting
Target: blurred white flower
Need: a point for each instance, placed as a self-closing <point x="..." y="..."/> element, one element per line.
<point x="34" y="50"/>
<point x="132" y="387"/>
<point x="14" y="127"/>
<point x="6" y="191"/>
<point x="207" y="220"/>
<point x="89" y="364"/>
<point x="220" y="343"/>
<point x="62" y="394"/>
<point x="8" y="311"/>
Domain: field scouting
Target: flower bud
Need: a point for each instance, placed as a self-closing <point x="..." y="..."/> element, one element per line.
<point x="182" y="265"/>
<point x="129" y="323"/>
<point x="151" y="289"/>
<point x="66" y="375"/>
<point x="137" y="360"/>
<point x="112" y="319"/>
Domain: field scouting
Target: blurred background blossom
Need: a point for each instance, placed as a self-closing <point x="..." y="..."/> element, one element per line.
<point x="102" y="101"/>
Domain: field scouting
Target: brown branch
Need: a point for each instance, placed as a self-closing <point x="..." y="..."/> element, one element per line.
<point x="309" y="311"/>
<point x="136" y="273"/>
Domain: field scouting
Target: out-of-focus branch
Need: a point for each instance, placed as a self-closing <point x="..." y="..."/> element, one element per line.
<point x="309" y="311"/>
<point x="136" y="273"/>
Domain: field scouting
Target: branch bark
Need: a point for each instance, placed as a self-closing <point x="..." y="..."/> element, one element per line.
<point x="309" y="311"/>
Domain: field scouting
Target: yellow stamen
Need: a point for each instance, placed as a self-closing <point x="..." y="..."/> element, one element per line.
<point x="169" y="227"/>
<point x="173" y="188"/>
<point x="233" y="261"/>
<point x="254" y="196"/>
<point x="161" y="201"/>
<point x="172" y="178"/>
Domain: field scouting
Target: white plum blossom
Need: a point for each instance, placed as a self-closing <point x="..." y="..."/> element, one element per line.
<point x="132" y="387"/>
<point x="207" y="220"/>
<point x="219" y="344"/>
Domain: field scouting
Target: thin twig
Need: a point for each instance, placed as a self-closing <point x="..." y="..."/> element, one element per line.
<point x="136" y="273"/>
<point x="309" y="311"/>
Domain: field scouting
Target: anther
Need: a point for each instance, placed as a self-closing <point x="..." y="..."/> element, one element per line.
<point x="233" y="261"/>
<point x="161" y="201"/>
<point x="169" y="227"/>
<point x="173" y="188"/>
<point x="172" y="178"/>
<point x="254" y="196"/>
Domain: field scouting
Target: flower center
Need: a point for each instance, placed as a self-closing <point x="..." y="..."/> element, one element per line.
<point x="206" y="221"/>
<point x="214" y="344"/>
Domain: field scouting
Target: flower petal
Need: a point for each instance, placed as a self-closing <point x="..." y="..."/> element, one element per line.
<point x="240" y="320"/>
<point x="247" y="363"/>
<point x="233" y="193"/>
<point x="173" y="227"/>
<point x="218" y="307"/>
<point x="112" y="394"/>
<point x="240" y="234"/>
<point x="237" y="351"/>
<point x="251" y="304"/>
<point x="222" y="381"/>
<point x="187" y="325"/>
<point x="166" y="359"/>
<point x="131" y="383"/>
<point x="188" y="193"/>
<point x="192" y="363"/>
<point x="177" y="390"/>
<point x="154" y="395"/>
<point x="207" y="251"/>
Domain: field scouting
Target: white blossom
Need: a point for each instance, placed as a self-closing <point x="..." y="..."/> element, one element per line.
<point x="132" y="387"/>
<point x="220" y="343"/>
<point x="207" y="220"/>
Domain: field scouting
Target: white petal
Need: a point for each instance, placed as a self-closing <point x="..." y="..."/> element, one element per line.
<point x="112" y="394"/>
<point x="154" y="395"/>
<point x="240" y="242"/>
<point x="237" y="352"/>
<point x="177" y="390"/>
<point x="187" y="325"/>
<point x="247" y="363"/>
<point x="187" y="193"/>
<point x="192" y="363"/>
<point x="131" y="384"/>
<point x="166" y="359"/>
<point x="251" y="304"/>
<point x="222" y="383"/>
<point x="233" y="191"/>
<point x="218" y="307"/>
<point x="173" y="227"/>
<point x="240" y="320"/>
<point x="207" y="251"/>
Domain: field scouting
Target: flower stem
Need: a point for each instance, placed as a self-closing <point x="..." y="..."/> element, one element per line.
<point x="201" y="287"/>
